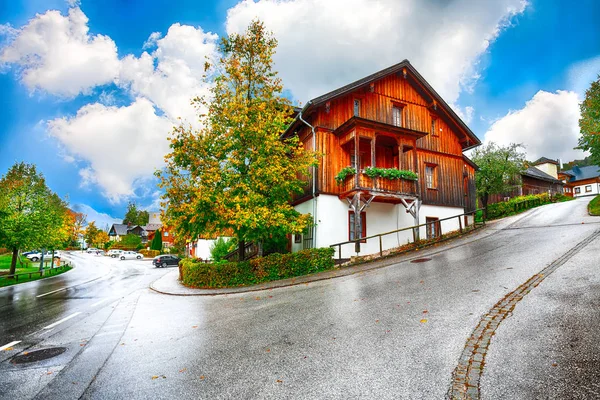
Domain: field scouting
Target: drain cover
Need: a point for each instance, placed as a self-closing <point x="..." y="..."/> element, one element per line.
<point x="420" y="260"/>
<point x="38" y="355"/>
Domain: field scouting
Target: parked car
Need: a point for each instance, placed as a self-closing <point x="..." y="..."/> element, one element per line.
<point x="165" y="260"/>
<point x="130" y="255"/>
<point x="47" y="255"/>
<point x="25" y="254"/>
<point x="91" y="250"/>
<point x="114" y="253"/>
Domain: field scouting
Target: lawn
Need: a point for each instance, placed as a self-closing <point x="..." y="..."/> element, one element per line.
<point x="24" y="268"/>
<point x="594" y="206"/>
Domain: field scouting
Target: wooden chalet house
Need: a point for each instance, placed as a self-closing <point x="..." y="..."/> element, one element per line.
<point x="395" y="121"/>
<point x="581" y="181"/>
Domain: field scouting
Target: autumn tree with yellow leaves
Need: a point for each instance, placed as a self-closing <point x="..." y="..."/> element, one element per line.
<point x="236" y="174"/>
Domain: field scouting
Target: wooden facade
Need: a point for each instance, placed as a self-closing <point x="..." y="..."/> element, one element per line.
<point x="391" y="119"/>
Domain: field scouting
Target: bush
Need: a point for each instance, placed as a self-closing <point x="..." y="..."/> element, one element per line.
<point x="516" y="205"/>
<point x="258" y="270"/>
<point x="150" y="253"/>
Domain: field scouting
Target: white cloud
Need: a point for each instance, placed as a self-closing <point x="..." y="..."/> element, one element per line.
<point x="324" y="45"/>
<point x="56" y="54"/>
<point x="582" y="74"/>
<point x="178" y="75"/>
<point x="101" y="219"/>
<point x="151" y="42"/>
<point x="548" y="126"/>
<point x="123" y="145"/>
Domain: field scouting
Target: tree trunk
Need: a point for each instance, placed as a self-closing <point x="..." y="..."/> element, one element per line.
<point x="13" y="261"/>
<point x="241" y="250"/>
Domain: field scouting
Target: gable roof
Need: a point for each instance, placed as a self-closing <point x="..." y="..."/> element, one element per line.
<point x="544" y="160"/>
<point x="581" y="173"/>
<point x="533" y="172"/>
<point x="120" y="229"/>
<point x="403" y="67"/>
<point x="152" y="227"/>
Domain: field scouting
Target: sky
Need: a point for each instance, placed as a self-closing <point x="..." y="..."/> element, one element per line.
<point x="90" y="90"/>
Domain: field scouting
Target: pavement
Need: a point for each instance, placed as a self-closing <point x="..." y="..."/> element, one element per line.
<point x="394" y="332"/>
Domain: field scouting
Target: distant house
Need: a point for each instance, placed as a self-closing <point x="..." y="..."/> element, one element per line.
<point x="540" y="177"/>
<point x="581" y="181"/>
<point x="117" y="231"/>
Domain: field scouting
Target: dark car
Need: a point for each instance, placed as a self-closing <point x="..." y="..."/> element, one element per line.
<point x="165" y="260"/>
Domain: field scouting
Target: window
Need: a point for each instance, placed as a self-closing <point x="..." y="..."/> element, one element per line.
<point x="363" y="226"/>
<point x="433" y="227"/>
<point x="357" y="107"/>
<point x="396" y="116"/>
<point x="434" y="126"/>
<point x="577" y="190"/>
<point x="166" y="234"/>
<point x="297" y="238"/>
<point x="430" y="177"/>
<point x="588" y="188"/>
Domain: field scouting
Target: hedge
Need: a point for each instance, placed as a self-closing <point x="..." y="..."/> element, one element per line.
<point x="516" y="205"/>
<point x="150" y="253"/>
<point x="258" y="270"/>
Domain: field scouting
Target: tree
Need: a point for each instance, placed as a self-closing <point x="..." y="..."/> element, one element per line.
<point x="30" y="214"/>
<point x="91" y="234"/>
<point x="235" y="175"/>
<point x="80" y="220"/>
<point x="134" y="216"/>
<point x="589" y="124"/>
<point x="156" y="241"/>
<point x="499" y="169"/>
<point x="131" y="241"/>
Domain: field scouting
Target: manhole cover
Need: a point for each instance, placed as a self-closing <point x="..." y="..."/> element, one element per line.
<point x="420" y="260"/>
<point x="38" y="355"/>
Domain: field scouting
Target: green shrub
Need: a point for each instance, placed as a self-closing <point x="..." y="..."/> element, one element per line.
<point x="275" y="244"/>
<point x="258" y="270"/>
<point x="516" y="205"/>
<point x="220" y="248"/>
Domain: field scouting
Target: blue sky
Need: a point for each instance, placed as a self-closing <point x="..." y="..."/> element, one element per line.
<point x="90" y="90"/>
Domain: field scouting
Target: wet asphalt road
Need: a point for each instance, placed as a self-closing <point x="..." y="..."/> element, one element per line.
<point x="394" y="332"/>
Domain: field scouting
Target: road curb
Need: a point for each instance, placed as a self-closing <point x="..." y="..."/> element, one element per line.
<point x="384" y="262"/>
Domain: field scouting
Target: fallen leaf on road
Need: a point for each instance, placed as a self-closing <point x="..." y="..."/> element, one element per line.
<point x="376" y="321"/>
<point x="49" y="373"/>
<point x="194" y="326"/>
<point x="257" y="298"/>
<point x="9" y="349"/>
<point x="154" y="377"/>
<point x="183" y="370"/>
<point x="268" y="350"/>
<point x="270" y="297"/>
<point x="554" y="364"/>
<point x="422" y="282"/>
<point x="425" y="312"/>
<point x="202" y="377"/>
<point x="279" y="381"/>
<point x="423" y="321"/>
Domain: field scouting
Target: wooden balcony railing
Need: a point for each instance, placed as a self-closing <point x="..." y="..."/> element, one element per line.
<point x="379" y="184"/>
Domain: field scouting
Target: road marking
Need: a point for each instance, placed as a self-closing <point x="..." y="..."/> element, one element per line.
<point x="69" y="287"/>
<point x="62" y="320"/>
<point x="100" y="302"/>
<point x="11" y="344"/>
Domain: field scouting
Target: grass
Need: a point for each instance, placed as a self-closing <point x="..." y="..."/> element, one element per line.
<point x="594" y="206"/>
<point x="24" y="268"/>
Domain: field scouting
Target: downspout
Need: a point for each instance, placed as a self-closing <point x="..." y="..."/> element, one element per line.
<point x="314" y="175"/>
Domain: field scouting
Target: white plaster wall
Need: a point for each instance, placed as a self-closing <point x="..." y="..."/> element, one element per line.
<point x="550" y="169"/>
<point x="203" y="248"/>
<point x="595" y="190"/>
<point x="440" y="212"/>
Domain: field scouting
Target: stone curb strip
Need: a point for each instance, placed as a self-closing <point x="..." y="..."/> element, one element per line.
<point x="466" y="376"/>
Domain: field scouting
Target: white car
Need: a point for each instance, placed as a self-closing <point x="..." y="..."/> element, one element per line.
<point x="114" y="253"/>
<point x="131" y="255"/>
<point x="47" y="255"/>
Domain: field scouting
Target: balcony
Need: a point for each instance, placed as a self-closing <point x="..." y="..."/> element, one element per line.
<point x="384" y="189"/>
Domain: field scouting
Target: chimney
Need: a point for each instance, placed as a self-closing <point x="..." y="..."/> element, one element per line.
<point x="560" y="163"/>
<point x="128" y="224"/>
